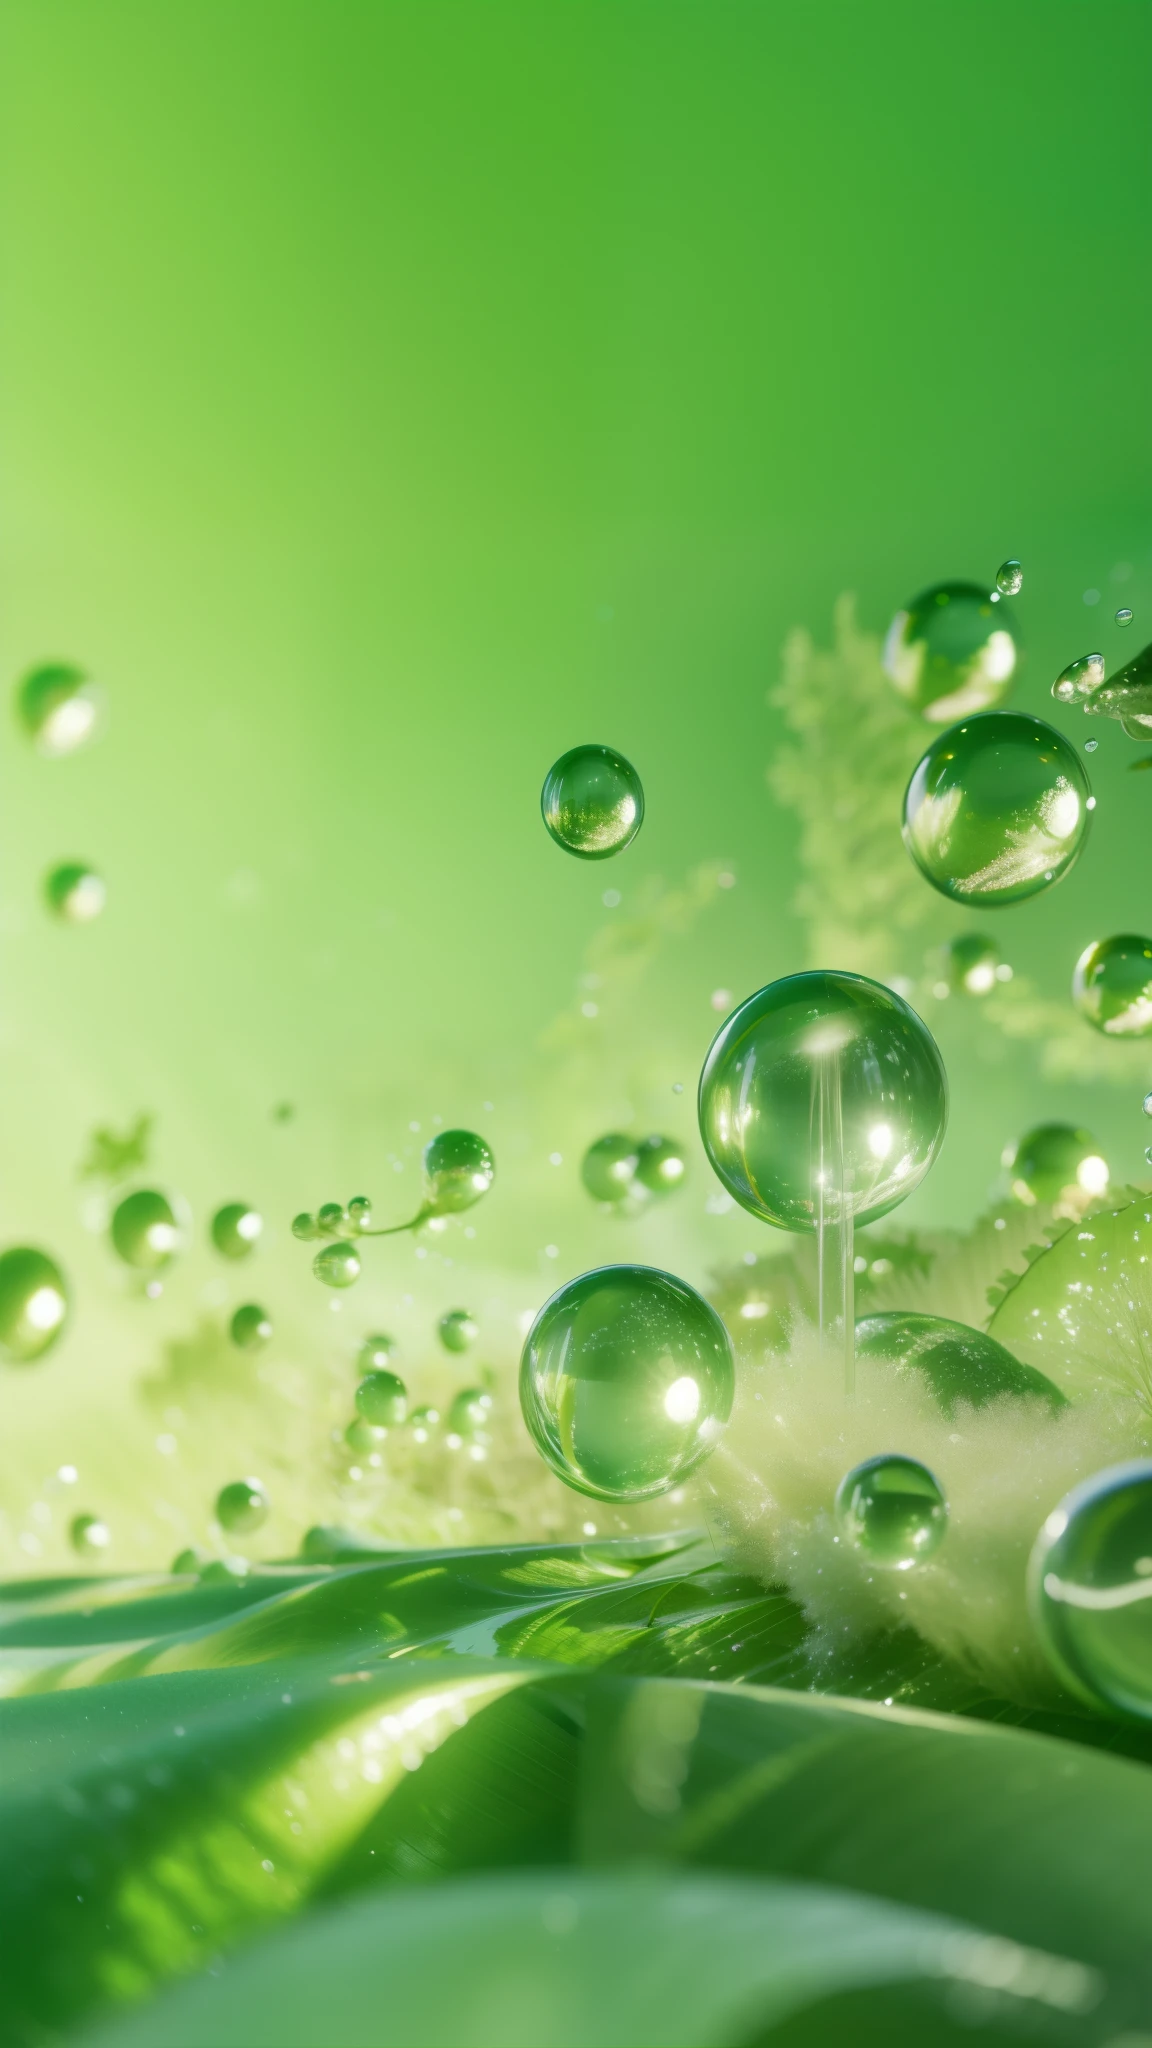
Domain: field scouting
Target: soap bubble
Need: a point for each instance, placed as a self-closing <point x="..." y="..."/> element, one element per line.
<point x="1124" y="615"/>
<point x="58" y="707"/>
<point x="592" y="802"/>
<point x="242" y="1506"/>
<point x="1090" y="1589"/>
<point x="956" y="1363"/>
<point x="972" y="963"/>
<point x="75" y="892"/>
<point x="235" y="1229"/>
<point x="608" y="1168"/>
<point x="337" y="1265"/>
<point x="626" y="1382"/>
<point x="1112" y="985"/>
<point x="33" y="1304"/>
<point x="822" y="1045"/>
<point x="996" y="809"/>
<point x="458" y="1170"/>
<point x="382" y="1399"/>
<point x="1009" y="579"/>
<point x="375" y="1352"/>
<point x="893" y="1510"/>
<point x="88" y="1535"/>
<point x="457" y="1329"/>
<point x="146" y="1232"/>
<point x="1079" y="679"/>
<point x="952" y="652"/>
<point x="470" y="1412"/>
<point x="661" y="1165"/>
<point x="251" y="1327"/>
<point x="1127" y="696"/>
<point x="1057" y="1162"/>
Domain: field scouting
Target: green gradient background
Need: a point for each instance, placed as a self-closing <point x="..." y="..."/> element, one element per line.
<point x="394" y="396"/>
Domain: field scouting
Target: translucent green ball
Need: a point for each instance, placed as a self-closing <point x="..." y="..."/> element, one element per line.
<point x="661" y="1165"/>
<point x="364" y="1437"/>
<point x="1112" y="986"/>
<point x="331" y="1216"/>
<point x="242" y="1506"/>
<point x="972" y="963"/>
<point x="305" y="1227"/>
<point x="58" y="707"/>
<point x="251" y="1327"/>
<point x="360" y="1212"/>
<point x="382" y="1399"/>
<point x="188" y="1563"/>
<point x="954" y="650"/>
<point x="33" y="1304"/>
<point x="89" y="1536"/>
<point x="75" y="892"/>
<point x="592" y="802"/>
<point x="893" y="1510"/>
<point x="1054" y="1161"/>
<point x="997" y="809"/>
<point x="1090" y="1589"/>
<point x="812" y="1046"/>
<point x="337" y="1265"/>
<point x="458" y="1170"/>
<point x="235" y="1229"/>
<point x="957" y="1364"/>
<point x="1079" y="679"/>
<point x="146" y="1232"/>
<point x="626" y="1382"/>
<point x="470" y="1412"/>
<point x="375" y="1352"/>
<point x="457" y="1329"/>
<point x="608" y="1168"/>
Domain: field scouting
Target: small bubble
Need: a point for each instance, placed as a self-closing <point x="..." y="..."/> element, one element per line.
<point x="1009" y="578"/>
<point x="677" y="1087"/>
<point x="1148" y="1154"/>
<point x="1090" y="746"/>
<point x="1147" y="1105"/>
<point x="1124" y="615"/>
<point x="721" y="999"/>
<point x="555" y="1159"/>
<point x="1091" y="597"/>
<point x="592" y="802"/>
<point x="589" y="1009"/>
<point x="727" y="880"/>
<point x="610" y="898"/>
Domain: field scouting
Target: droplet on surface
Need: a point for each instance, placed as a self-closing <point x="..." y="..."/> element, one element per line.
<point x="803" y="1040"/>
<point x="626" y="1382"/>
<point x="1079" y="679"/>
<point x="1009" y="578"/>
<point x="146" y="1232"/>
<point x="592" y="802"/>
<point x="58" y="707"/>
<point x="236" y="1229"/>
<point x="360" y="1212"/>
<point x="1112" y="985"/>
<point x="952" y="651"/>
<point x="1090" y="746"/>
<point x="75" y="892"/>
<point x="608" y="1168"/>
<point x="1057" y="1162"/>
<point x="972" y="963"/>
<point x="893" y="1509"/>
<point x="457" y="1329"/>
<point x="458" y="1170"/>
<point x="251" y="1327"/>
<point x="33" y="1304"/>
<point x="382" y="1399"/>
<point x="470" y="1412"/>
<point x="375" y="1352"/>
<point x="242" y="1506"/>
<point x="1090" y="1589"/>
<point x="957" y="1363"/>
<point x="88" y="1535"/>
<point x="1124" y="615"/>
<point x="337" y="1265"/>
<point x="662" y="1164"/>
<point x="996" y="809"/>
<point x="331" y="1216"/>
<point x="305" y="1227"/>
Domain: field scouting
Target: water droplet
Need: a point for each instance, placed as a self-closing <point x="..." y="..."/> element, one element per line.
<point x="58" y="707"/>
<point x="1057" y="1162"/>
<point x="1147" y="1105"/>
<point x="1127" y="696"/>
<point x="721" y="999"/>
<point x="364" y="1437"/>
<point x="75" y="892"/>
<point x="662" y="1164"/>
<point x="1079" y="679"/>
<point x="1112" y="985"/>
<point x="375" y="1352"/>
<point x="995" y="810"/>
<point x="457" y="1329"/>
<point x="337" y="1265"/>
<point x="88" y="1535"/>
<point x="458" y="1170"/>
<point x="305" y="1227"/>
<point x="972" y="962"/>
<point x="893" y="1509"/>
<point x="189" y="1562"/>
<point x="1090" y="746"/>
<point x="382" y="1399"/>
<point x="146" y="1232"/>
<point x="470" y="1412"/>
<point x="772" y="1061"/>
<point x="331" y="1216"/>
<point x="592" y="802"/>
<point x="360" y="1212"/>
<point x="33" y="1304"/>
<point x="242" y="1506"/>
<point x="626" y="1382"/>
<point x="1124" y="615"/>
<point x="608" y="1168"/>
<point x="235" y="1229"/>
<point x="952" y="651"/>
<point x="1090" y="1588"/>
<point x="251" y="1327"/>
<point x="1009" y="579"/>
<point x="957" y="1363"/>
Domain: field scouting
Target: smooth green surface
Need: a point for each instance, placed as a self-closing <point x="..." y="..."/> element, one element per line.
<point x="997" y="809"/>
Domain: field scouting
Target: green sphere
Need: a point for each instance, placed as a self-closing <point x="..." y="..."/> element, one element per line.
<point x="375" y="1352"/>
<point x="58" y="707"/>
<point x="363" y="1437"/>
<point x="458" y="1170"/>
<point x="470" y="1412"/>
<point x="893" y="1510"/>
<point x="997" y="809"/>
<point x="88" y="1535"/>
<point x="235" y="1229"/>
<point x="423" y="1421"/>
<point x="661" y="1165"/>
<point x="305" y="1227"/>
<point x="1079" y="679"/>
<point x="457" y="1330"/>
<point x="972" y="961"/>
<point x="33" y="1304"/>
<point x="1112" y="986"/>
<point x="1090" y="1589"/>
<point x="954" y="650"/>
<point x="145" y="1231"/>
<point x="242" y="1506"/>
<point x="360" y="1212"/>
<point x="382" y="1399"/>
<point x="1055" y="1162"/>
<point x="337" y="1265"/>
<point x="956" y="1363"/>
<point x="251" y="1327"/>
<point x="188" y="1563"/>
<point x="75" y="892"/>
<point x="832" y="1047"/>
<point x="592" y="802"/>
<point x="608" y="1168"/>
<point x="626" y="1382"/>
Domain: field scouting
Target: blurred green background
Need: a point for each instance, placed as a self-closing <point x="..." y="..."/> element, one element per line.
<point x="394" y="396"/>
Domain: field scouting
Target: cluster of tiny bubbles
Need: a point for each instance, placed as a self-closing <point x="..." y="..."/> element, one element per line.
<point x="997" y="809"/>
<point x="1057" y="1163"/>
<point x="241" y="1506"/>
<point x="251" y="1327"/>
<point x="458" y="1170"/>
<point x="375" y="1352"/>
<point x="457" y="1329"/>
<point x="952" y="651"/>
<point x="626" y="1382"/>
<point x="235" y="1229"/>
<point x="1090" y="1589"/>
<point x="88" y="1535"/>
<point x="592" y="802"/>
<point x="1124" y="615"/>
<point x="972" y="961"/>
<point x="74" y="892"/>
<point x="469" y="1413"/>
<point x="58" y="707"/>
<point x="955" y="1362"/>
<point x="822" y="1050"/>
<point x="33" y="1304"/>
<point x="1112" y="985"/>
<point x="893" y="1510"/>
<point x="1079" y="679"/>
<point x="382" y="1399"/>
<point x="1010" y="579"/>
<point x="337" y="1265"/>
<point x="146" y="1231"/>
<point x="617" y="1166"/>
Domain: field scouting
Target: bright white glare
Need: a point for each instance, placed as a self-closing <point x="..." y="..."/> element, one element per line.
<point x="880" y="1140"/>
<point x="682" y="1401"/>
<point x="249" y="1226"/>
<point x="999" y="656"/>
<point x="162" y="1237"/>
<point x="1092" y="1174"/>
<point x="68" y="726"/>
<point x="981" y="978"/>
<point x="45" y="1309"/>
